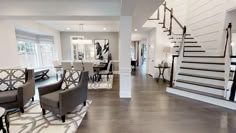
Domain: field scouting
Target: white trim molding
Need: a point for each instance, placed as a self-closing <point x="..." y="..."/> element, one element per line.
<point x="206" y="99"/>
<point x="125" y="83"/>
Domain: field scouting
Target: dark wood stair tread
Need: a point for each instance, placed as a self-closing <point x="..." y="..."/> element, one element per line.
<point x="189" y="46"/>
<point x="202" y="69"/>
<point x="201" y="84"/>
<point x="184" y="42"/>
<point x="233" y="63"/>
<point x="187" y="38"/>
<point x="199" y="92"/>
<point x="193" y="51"/>
<point x="195" y="62"/>
<point x="181" y="34"/>
<point x="202" y="76"/>
<point x="202" y="57"/>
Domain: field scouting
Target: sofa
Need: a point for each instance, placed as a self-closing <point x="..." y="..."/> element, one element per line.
<point x="63" y="96"/>
<point x="17" y="87"/>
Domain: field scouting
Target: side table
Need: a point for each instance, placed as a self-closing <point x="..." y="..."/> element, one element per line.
<point x="3" y="113"/>
<point x="161" y="72"/>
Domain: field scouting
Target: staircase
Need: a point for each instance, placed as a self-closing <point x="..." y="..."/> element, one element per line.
<point x="199" y="76"/>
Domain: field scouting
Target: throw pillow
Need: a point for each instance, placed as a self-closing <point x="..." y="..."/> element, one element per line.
<point x="71" y="79"/>
<point x="11" y="79"/>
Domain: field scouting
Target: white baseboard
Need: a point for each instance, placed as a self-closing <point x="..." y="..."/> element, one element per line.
<point x="211" y="100"/>
<point x="125" y="94"/>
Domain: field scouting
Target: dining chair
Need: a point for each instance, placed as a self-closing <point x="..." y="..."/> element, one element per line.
<point x="108" y="71"/>
<point x="66" y="65"/>
<point x="115" y="66"/>
<point x="88" y="66"/>
<point x="78" y="66"/>
<point x="58" y="69"/>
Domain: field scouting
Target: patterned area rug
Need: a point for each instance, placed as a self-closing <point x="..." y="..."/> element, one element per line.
<point x="102" y="84"/>
<point x="32" y="121"/>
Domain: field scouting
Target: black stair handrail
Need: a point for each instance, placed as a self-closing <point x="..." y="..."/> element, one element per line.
<point x="228" y="36"/>
<point x="172" y="17"/>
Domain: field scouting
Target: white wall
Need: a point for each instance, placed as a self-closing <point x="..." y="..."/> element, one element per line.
<point x="8" y="49"/>
<point x="160" y="40"/>
<point x="8" y="40"/>
<point x="205" y="21"/>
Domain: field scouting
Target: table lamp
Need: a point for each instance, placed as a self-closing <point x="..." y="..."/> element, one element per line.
<point x="166" y="50"/>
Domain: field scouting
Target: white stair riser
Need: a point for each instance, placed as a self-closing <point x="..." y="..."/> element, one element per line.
<point x="206" y="66"/>
<point x="201" y="80"/>
<point x="200" y="88"/>
<point x="215" y="60"/>
<point x="215" y="101"/>
<point x="204" y="73"/>
<point x="197" y="54"/>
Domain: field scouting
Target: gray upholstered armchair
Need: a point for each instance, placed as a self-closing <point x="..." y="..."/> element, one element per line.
<point x="62" y="97"/>
<point x="17" y="87"/>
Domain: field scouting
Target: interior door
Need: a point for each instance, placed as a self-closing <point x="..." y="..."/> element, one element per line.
<point x="151" y="60"/>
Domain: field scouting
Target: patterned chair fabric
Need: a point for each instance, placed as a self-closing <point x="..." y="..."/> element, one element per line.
<point x="71" y="79"/>
<point x="11" y="79"/>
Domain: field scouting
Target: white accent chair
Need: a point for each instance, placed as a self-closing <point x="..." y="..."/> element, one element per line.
<point x="58" y="69"/>
<point x="88" y="66"/>
<point x="78" y="66"/>
<point x="66" y="65"/>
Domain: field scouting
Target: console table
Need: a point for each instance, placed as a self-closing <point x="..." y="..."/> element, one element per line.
<point x="162" y="72"/>
<point x="4" y="114"/>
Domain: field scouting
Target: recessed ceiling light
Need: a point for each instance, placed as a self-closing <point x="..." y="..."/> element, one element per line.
<point x="68" y="28"/>
<point x="104" y="28"/>
<point x="135" y="29"/>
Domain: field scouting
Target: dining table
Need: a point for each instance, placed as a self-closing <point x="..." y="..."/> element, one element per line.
<point x="97" y="68"/>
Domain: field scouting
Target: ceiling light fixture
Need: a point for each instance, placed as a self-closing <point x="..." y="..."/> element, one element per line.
<point x="104" y="28"/>
<point x="68" y="28"/>
<point x="83" y="41"/>
<point x="135" y="29"/>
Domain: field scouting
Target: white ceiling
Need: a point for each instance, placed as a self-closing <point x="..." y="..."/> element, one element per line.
<point x="94" y="14"/>
<point x="88" y="26"/>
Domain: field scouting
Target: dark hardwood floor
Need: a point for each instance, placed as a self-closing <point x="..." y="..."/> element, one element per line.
<point x="152" y="110"/>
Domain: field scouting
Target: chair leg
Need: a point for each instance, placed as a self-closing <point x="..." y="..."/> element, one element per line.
<point x="22" y="109"/>
<point x="63" y="118"/>
<point x="44" y="111"/>
<point x="84" y="103"/>
<point x="107" y="77"/>
<point x="32" y="99"/>
<point x="57" y="77"/>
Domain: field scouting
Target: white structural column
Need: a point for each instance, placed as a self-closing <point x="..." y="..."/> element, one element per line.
<point x="125" y="56"/>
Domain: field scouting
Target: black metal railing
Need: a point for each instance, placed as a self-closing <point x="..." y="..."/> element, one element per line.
<point x="170" y="30"/>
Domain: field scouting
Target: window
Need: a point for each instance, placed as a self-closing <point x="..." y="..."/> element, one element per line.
<point x="35" y="51"/>
<point x="27" y="54"/>
<point x="46" y="54"/>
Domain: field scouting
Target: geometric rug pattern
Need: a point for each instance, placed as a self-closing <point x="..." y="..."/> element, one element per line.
<point x="102" y="84"/>
<point x="32" y="121"/>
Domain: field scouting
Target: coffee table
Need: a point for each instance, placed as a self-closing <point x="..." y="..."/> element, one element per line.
<point x="3" y="113"/>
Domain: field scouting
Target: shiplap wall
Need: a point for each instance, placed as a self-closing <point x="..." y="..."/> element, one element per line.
<point x="205" y="21"/>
